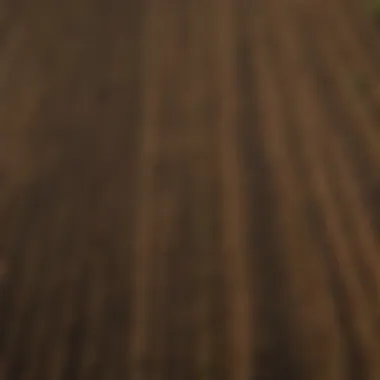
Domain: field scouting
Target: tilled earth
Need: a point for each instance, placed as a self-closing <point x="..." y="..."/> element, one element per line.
<point x="189" y="190"/>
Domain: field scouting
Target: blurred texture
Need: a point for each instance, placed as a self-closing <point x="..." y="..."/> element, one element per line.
<point x="189" y="189"/>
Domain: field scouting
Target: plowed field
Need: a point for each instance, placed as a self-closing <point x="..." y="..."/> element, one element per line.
<point x="189" y="190"/>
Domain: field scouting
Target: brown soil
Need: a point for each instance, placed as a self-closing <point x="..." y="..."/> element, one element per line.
<point x="189" y="190"/>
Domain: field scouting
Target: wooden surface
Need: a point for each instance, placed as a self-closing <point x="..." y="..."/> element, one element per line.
<point x="189" y="190"/>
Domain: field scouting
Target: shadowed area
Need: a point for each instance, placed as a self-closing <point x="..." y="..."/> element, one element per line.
<point x="189" y="190"/>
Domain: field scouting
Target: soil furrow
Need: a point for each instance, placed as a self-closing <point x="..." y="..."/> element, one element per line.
<point x="234" y="223"/>
<point x="354" y="206"/>
<point x="304" y="290"/>
<point x="202" y="168"/>
<point x="345" y="126"/>
<point x="311" y="124"/>
<point x="153" y="56"/>
<point x="363" y="132"/>
<point x="180" y="133"/>
<point x="364" y="75"/>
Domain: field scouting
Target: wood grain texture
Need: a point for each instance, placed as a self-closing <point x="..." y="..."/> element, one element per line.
<point x="189" y="190"/>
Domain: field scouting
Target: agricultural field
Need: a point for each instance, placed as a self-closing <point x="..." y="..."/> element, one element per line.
<point x="189" y="190"/>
